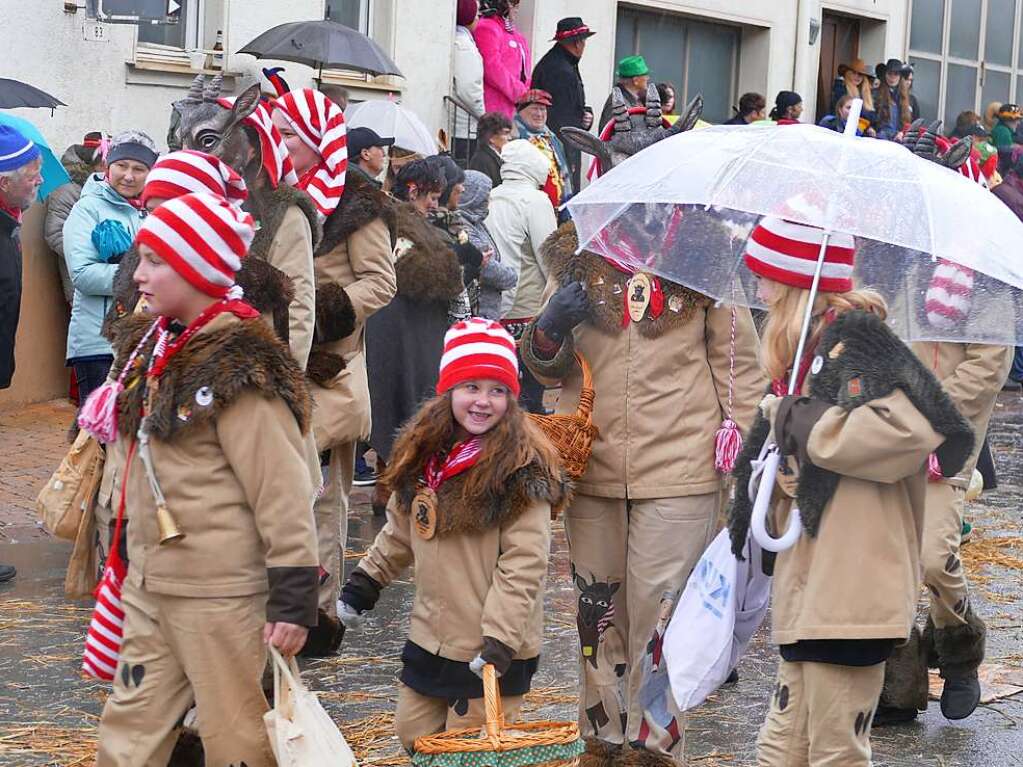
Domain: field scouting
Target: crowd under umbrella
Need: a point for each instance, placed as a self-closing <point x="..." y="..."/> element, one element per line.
<point x="389" y="118"/>
<point x="909" y="217"/>
<point x="15" y="94"/>
<point x="322" y="44"/>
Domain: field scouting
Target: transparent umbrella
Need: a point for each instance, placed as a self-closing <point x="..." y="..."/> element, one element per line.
<point x="683" y="209"/>
<point x="392" y="120"/>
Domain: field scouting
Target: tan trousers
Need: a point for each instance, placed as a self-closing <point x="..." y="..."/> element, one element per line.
<point x="944" y="573"/>
<point x="178" y="651"/>
<point x="331" y="513"/>
<point x="420" y="715"/>
<point x="820" y="716"/>
<point x="630" y="560"/>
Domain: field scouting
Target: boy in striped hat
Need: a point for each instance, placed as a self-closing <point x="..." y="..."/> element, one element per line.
<point x="225" y="563"/>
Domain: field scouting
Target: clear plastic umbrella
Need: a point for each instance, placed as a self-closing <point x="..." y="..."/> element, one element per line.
<point x="391" y="120"/>
<point x="684" y="207"/>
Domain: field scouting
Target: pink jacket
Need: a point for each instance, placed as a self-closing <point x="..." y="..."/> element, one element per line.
<point x="507" y="64"/>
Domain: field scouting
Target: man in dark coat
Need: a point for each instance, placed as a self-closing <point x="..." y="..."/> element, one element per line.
<point x="558" y="74"/>
<point x="19" y="180"/>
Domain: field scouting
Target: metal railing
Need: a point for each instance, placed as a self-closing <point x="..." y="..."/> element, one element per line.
<point x="460" y="123"/>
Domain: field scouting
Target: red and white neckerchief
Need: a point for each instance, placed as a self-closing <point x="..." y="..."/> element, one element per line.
<point x="11" y="210"/>
<point x="463" y="456"/>
<point x="165" y="349"/>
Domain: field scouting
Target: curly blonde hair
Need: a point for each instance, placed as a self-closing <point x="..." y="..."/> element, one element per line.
<point x="785" y="312"/>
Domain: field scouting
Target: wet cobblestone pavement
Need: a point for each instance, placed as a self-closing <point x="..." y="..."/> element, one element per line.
<point x="48" y="713"/>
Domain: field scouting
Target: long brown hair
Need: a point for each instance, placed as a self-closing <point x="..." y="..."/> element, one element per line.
<point x="885" y="102"/>
<point x="513" y="443"/>
<point x="785" y="312"/>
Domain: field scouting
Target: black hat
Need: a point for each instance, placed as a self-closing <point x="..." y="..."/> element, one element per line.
<point x="364" y="138"/>
<point x="894" y="65"/>
<point x="570" y="28"/>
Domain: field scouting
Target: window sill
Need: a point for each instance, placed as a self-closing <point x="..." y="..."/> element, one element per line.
<point x="162" y="66"/>
<point x="354" y="80"/>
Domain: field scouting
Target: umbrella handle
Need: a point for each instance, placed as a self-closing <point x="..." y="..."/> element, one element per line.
<point x="767" y="469"/>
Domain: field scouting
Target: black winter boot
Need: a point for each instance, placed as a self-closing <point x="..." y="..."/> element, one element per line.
<point x="960" y="651"/>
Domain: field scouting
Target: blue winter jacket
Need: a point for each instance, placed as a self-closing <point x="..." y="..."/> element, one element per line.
<point x="91" y="274"/>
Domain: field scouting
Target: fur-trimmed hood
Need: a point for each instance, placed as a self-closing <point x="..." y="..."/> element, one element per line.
<point x="267" y="289"/>
<point x="362" y="202"/>
<point x="605" y="285"/>
<point x="857" y="345"/>
<point x="425" y="263"/>
<point x="276" y="202"/>
<point x="457" y="514"/>
<point x="76" y="168"/>
<point x="227" y="357"/>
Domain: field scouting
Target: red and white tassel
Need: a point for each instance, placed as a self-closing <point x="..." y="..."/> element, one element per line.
<point x="934" y="473"/>
<point x="727" y="446"/>
<point x="99" y="413"/>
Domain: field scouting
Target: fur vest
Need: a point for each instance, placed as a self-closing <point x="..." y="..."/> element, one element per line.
<point x="458" y="514"/>
<point x="361" y="202"/>
<point x="425" y="266"/>
<point x="218" y="363"/>
<point x="857" y="346"/>
<point x="605" y="285"/>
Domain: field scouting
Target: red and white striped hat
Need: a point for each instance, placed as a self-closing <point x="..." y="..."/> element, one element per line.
<point x="276" y="160"/>
<point x="947" y="301"/>
<point x="320" y="123"/>
<point x="787" y="252"/>
<point x="187" y="171"/>
<point x="203" y="237"/>
<point x="477" y="348"/>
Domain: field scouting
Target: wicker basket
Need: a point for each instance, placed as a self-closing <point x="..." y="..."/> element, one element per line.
<point x="573" y="435"/>
<point x="533" y="744"/>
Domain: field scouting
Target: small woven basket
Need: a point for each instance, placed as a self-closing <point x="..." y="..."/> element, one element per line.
<point x="533" y="744"/>
<point x="573" y="434"/>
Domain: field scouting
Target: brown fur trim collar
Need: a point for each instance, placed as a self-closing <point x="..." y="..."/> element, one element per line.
<point x="606" y="287"/>
<point x="361" y="203"/>
<point x="457" y="514"/>
<point x="426" y="266"/>
<point x="78" y="171"/>
<point x="271" y="207"/>
<point x="224" y="360"/>
<point x="267" y="289"/>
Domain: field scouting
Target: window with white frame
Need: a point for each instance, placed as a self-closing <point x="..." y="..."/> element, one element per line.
<point x="965" y="54"/>
<point x="351" y="13"/>
<point x="185" y="34"/>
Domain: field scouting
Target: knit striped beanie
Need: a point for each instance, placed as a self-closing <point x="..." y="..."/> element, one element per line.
<point x="276" y="160"/>
<point x="320" y="123"/>
<point x="478" y="348"/>
<point x="948" y="297"/>
<point x="203" y="237"/>
<point x="787" y="252"/>
<point x="188" y="171"/>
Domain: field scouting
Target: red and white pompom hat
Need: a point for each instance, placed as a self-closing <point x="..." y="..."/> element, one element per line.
<point x="787" y="252"/>
<point x="320" y="123"/>
<point x="478" y="348"/>
<point x="186" y="171"/>
<point x="204" y="239"/>
<point x="276" y="160"/>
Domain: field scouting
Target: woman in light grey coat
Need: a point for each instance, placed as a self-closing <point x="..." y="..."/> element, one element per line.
<point x="495" y="277"/>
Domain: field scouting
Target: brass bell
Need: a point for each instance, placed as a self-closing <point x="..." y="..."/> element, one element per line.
<point x="169" y="530"/>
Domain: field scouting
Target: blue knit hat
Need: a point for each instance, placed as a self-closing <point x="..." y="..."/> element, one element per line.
<point x="15" y="149"/>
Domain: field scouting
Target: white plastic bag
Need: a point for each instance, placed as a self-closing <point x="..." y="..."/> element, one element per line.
<point x="723" y="604"/>
<point x="301" y="732"/>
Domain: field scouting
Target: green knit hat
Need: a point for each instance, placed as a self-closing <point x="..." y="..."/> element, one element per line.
<point x="632" y="66"/>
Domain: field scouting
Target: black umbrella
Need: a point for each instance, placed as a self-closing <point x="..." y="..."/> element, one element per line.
<point x="15" y="94"/>
<point x="322" y="45"/>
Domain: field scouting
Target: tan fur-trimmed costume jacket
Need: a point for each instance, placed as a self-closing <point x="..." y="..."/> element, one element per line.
<point x="227" y="445"/>
<point x="661" y="385"/>
<point x="354" y="267"/>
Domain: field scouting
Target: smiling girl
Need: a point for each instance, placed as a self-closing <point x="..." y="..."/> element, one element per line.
<point x="473" y="487"/>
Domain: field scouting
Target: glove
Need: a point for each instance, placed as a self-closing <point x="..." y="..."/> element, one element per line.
<point x="476" y="666"/>
<point x="349" y="616"/>
<point x="769" y="407"/>
<point x="471" y="259"/>
<point x="496" y="653"/>
<point x="111" y="240"/>
<point x="567" y="308"/>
